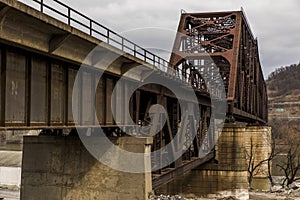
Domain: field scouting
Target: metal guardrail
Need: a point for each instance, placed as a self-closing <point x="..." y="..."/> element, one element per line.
<point x="103" y="33"/>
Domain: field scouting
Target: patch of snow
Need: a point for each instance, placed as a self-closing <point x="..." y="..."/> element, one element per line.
<point x="10" y="176"/>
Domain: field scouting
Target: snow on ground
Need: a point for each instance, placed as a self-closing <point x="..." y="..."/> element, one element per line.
<point x="283" y="194"/>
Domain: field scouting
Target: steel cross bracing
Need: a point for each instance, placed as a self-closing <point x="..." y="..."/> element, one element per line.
<point x="223" y="39"/>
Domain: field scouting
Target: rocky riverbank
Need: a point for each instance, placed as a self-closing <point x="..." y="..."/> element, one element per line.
<point x="277" y="192"/>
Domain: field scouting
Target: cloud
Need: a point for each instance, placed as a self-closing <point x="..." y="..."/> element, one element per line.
<point x="275" y="23"/>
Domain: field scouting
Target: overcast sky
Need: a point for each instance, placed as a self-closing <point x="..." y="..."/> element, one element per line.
<point x="152" y="23"/>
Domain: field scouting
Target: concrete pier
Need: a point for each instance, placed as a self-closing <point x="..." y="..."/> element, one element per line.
<point x="237" y="145"/>
<point x="260" y="138"/>
<point x="60" y="168"/>
<point x="227" y="174"/>
<point x="240" y="146"/>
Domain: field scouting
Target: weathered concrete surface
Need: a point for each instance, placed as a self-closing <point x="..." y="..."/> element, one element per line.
<point x="260" y="138"/>
<point x="230" y="151"/>
<point x="60" y="168"/>
<point x="238" y="144"/>
<point x="228" y="173"/>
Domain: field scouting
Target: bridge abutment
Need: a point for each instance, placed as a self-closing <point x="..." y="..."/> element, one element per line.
<point x="60" y="168"/>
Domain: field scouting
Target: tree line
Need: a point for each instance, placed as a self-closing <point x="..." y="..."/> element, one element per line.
<point x="284" y="80"/>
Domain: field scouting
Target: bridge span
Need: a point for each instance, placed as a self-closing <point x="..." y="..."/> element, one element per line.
<point x="60" y="74"/>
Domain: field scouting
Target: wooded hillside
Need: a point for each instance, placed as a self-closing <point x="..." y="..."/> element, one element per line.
<point x="284" y="84"/>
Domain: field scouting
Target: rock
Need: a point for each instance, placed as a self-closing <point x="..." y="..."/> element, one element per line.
<point x="228" y="198"/>
<point x="297" y="184"/>
<point x="294" y="186"/>
<point x="276" y="188"/>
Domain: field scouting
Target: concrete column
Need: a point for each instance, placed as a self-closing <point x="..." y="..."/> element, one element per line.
<point x="60" y="168"/>
<point x="231" y="170"/>
<point x="230" y="150"/>
<point x="227" y="174"/>
<point x="237" y="144"/>
<point x="260" y="138"/>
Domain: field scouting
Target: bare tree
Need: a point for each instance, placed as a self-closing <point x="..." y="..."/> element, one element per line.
<point x="274" y="152"/>
<point x="254" y="164"/>
<point x="291" y="164"/>
<point x="287" y="132"/>
<point x="259" y="155"/>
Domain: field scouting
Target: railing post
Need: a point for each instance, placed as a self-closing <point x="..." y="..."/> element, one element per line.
<point x="69" y="16"/>
<point x="154" y="60"/>
<point x="42" y="5"/>
<point x="159" y="63"/>
<point x="91" y="27"/>
<point x="107" y="34"/>
<point x="134" y="50"/>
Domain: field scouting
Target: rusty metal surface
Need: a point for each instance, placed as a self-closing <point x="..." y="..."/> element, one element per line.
<point x="53" y="81"/>
<point x="223" y="39"/>
<point x="15" y="88"/>
<point x="38" y="109"/>
<point x="38" y="94"/>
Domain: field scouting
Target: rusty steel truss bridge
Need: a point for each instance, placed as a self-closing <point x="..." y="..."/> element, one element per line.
<point x="42" y="49"/>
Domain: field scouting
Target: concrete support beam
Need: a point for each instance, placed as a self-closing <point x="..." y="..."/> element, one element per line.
<point x="57" y="41"/>
<point x="3" y="11"/>
<point x="60" y="168"/>
<point x="127" y="66"/>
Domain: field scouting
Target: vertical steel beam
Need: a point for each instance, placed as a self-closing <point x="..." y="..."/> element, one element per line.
<point x="28" y="89"/>
<point x="137" y="109"/>
<point x="3" y="85"/>
<point x="48" y="66"/>
<point x="66" y="96"/>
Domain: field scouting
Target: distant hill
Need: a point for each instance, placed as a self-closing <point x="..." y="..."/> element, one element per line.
<point x="284" y="84"/>
<point x="284" y="115"/>
<point x="284" y="100"/>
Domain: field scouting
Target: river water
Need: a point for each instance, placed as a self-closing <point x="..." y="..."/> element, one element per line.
<point x="203" y="183"/>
